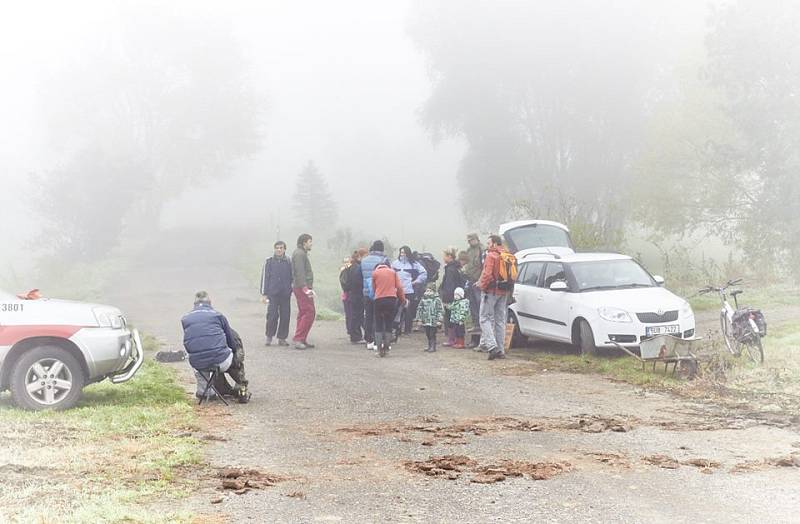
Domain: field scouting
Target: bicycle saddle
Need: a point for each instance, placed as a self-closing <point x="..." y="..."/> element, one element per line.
<point x="736" y="292"/>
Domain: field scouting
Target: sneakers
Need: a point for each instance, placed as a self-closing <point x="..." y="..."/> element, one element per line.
<point x="268" y="342"/>
<point x="309" y="344"/>
<point x="459" y="343"/>
<point x="493" y="353"/>
<point x="282" y="342"/>
<point x="371" y="346"/>
<point x="300" y="345"/>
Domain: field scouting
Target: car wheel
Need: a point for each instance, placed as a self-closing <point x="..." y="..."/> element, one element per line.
<point x="586" y="339"/>
<point x="47" y="377"/>
<point x="517" y="338"/>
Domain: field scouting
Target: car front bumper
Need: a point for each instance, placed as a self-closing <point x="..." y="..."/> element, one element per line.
<point x="113" y="353"/>
<point x="630" y="334"/>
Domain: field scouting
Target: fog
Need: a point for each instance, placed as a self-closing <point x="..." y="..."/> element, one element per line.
<point x="426" y="119"/>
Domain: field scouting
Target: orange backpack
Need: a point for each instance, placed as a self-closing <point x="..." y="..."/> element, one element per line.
<point x="506" y="271"/>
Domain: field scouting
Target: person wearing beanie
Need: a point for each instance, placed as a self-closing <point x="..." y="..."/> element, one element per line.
<point x="459" y="312"/>
<point x="368" y="265"/>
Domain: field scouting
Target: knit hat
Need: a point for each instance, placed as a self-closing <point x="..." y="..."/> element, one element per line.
<point x="472" y="236"/>
<point x="458" y="294"/>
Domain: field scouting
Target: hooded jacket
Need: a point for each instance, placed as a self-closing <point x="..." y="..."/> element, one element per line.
<point x="430" y="311"/>
<point x="207" y="336"/>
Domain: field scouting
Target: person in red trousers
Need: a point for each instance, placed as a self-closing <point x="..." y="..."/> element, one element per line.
<point x="303" y="288"/>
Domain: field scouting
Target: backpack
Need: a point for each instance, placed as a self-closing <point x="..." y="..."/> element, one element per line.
<point x="506" y="271"/>
<point x="430" y="264"/>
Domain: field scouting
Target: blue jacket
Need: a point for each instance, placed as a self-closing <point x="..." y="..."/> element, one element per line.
<point x="368" y="264"/>
<point x="411" y="274"/>
<point x="207" y="336"/>
<point x="276" y="277"/>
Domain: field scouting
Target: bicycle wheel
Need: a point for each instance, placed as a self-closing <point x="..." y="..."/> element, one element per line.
<point x="755" y="350"/>
<point x="727" y="335"/>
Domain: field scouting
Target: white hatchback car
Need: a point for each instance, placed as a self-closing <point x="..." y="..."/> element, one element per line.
<point x="590" y="299"/>
<point x="50" y="349"/>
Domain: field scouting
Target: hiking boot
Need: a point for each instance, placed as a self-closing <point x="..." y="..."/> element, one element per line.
<point x="268" y="342"/>
<point x="243" y="396"/>
<point x="500" y="355"/>
<point x="493" y="353"/>
<point x="282" y="342"/>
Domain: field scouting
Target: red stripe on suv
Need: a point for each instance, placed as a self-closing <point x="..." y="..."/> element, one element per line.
<point x="10" y="335"/>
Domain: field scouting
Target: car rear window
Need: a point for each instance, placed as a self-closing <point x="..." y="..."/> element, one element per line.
<point x="534" y="236"/>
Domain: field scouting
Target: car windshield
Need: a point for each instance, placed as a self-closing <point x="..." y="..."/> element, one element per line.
<point x="610" y="274"/>
<point x="539" y="235"/>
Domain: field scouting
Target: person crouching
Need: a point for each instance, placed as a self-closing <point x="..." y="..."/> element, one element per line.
<point x="209" y="342"/>
<point x="430" y="314"/>
<point x="388" y="296"/>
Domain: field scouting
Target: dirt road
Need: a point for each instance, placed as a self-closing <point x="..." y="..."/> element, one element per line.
<point x="450" y="437"/>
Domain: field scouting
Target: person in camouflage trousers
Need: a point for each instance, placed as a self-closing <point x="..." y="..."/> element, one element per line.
<point x="236" y="372"/>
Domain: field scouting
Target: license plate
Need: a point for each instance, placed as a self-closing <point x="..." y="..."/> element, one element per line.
<point x="662" y="330"/>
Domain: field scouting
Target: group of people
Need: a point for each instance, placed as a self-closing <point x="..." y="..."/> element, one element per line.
<point x="382" y="298"/>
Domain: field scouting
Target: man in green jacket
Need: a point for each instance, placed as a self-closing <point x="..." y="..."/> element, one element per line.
<point x="302" y="286"/>
<point x="472" y="270"/>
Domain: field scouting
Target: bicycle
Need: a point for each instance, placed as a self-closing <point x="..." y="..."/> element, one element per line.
<point x="741" y="327"/>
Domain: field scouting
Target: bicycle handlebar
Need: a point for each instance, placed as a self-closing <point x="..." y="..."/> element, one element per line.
<point x="711" y="289"/>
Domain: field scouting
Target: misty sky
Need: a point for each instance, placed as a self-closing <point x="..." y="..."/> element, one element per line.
<point x="342" y="83"/>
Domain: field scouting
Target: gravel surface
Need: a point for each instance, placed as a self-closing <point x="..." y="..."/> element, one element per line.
<point x="339" y="428"/>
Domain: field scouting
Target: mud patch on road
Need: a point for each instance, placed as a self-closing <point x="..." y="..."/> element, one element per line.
<point x="241" y="480"/>
<point x="453" y="467"/>
<point x="430" y="431"/>
<point x="788" y="461"/>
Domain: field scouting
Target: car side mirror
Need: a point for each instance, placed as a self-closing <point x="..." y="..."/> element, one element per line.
<point x="659" y="279"/>
<point x="559" y="285"/>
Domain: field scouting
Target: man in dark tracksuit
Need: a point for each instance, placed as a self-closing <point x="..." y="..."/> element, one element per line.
<point x="210" y="341"/>
<point x="276" y="290"/>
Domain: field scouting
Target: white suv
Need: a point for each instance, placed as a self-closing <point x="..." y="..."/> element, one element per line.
<point x="50" y="349"/>
<point x="589" y="299"/>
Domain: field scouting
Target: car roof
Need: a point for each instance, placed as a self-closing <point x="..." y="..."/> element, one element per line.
<point x="573" y="257"/>
<point x="519" y="223"/>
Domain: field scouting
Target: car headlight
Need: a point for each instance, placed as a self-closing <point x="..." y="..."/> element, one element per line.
<point x="613" y="314"/>
<point x="686" y="310"/>
<point x="107" y="318"/>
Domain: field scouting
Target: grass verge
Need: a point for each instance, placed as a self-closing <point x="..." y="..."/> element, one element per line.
<point x="121" y="455"/>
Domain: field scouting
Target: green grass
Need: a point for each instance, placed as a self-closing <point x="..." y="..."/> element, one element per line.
<point x="625" y="369"/>
<point x="772" y="297"/>
<point x="124" y="447"/>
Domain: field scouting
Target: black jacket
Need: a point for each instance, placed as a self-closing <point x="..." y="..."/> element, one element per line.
<point x="452" y="279"/>
<point x="353" y="280"/>
<point x="276" y="277"/>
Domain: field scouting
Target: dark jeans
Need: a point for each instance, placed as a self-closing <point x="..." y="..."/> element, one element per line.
<point x="458" y="330"/>
<point x="430" y="332"/>
<point x="354" y="309"/>
<point x="279" y="312"/>
<point x="409" y="312"/>
<point x="369" y="320"/>
<point x="385" y="309"/>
